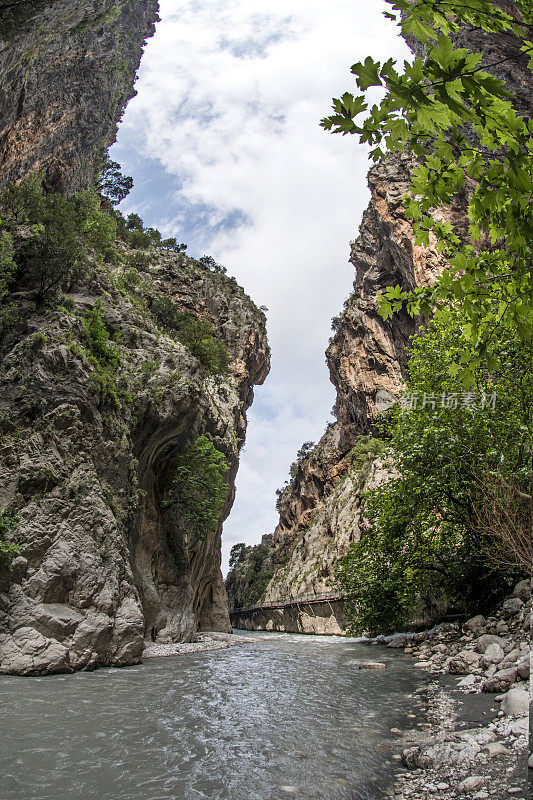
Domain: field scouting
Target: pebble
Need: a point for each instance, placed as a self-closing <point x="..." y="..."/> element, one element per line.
<point x="472" y="783"/>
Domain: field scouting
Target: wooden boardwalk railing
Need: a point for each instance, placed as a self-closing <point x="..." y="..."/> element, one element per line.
<point x="327" y="597"/>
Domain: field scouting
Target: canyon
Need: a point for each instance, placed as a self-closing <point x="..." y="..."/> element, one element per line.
<point x="87" y="466"/>
<point x="320" y="506"/>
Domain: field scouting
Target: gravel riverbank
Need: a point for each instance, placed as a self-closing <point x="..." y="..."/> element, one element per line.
<point x="474" y="743"/>
<point x="207" y="640"/>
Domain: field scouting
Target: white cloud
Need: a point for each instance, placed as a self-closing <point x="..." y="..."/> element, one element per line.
<point x="230" y="95"/>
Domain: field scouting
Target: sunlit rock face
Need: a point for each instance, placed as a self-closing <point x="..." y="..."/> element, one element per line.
<point x="320" y="509"/>
<point x="67" y="69"/>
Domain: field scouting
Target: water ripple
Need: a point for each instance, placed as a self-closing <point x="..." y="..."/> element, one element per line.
<point x="289" y="717"/>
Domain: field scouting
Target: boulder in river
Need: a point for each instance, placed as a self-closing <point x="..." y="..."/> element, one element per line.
<point x="501" y="681"/>
<point x="515" y="703"/>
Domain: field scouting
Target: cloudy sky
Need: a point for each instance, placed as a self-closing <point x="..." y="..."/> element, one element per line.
<point x="225" y="148"/>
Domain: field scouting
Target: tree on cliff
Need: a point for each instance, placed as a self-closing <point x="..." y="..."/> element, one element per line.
<point x="459" y="120"/>
<point x="453" y="523"/>
<point x="112" y="183"/>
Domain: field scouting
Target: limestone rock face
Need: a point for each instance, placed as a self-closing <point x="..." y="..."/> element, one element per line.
<point x="368" y="354"/>
<point x="86" y="461"/>
<point x="320" y="510"/>
<point x="86" y="476"/>
<point x="67" y="69"/>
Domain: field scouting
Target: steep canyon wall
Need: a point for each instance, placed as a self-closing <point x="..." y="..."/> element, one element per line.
<point x="88" y="447"/>
<point x="320" y="510"/>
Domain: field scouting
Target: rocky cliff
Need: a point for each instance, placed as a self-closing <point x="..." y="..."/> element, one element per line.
<point x="86" y="469"/>
<point x="67" y="69"/>
<point x="109" y="382"/>
<point x="320" y="509"/>
<point x="367" y="357"/>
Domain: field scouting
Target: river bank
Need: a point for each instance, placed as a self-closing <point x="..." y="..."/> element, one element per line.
<point x="474" y="743"/>
<point x="206" y="640"/>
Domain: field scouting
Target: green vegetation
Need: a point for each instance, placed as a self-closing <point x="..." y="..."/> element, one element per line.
<point x="458" y="119"/>
<point x="131" y="229"/>
<point x="198" y="489"/>
<point x="210" y="263"/>
<point x="46" y="238"/>
<point x="455" y="522"/>
<point x="250" y="571"/>
<point x="363" y="454"/>
<point x="101" y="355"/>
<point x="302" y="453"/>
<point x="111" y="182"/>
<point x="196" y="334"/>
<point x="8" y="550"/>
<point x="97" y="337"/>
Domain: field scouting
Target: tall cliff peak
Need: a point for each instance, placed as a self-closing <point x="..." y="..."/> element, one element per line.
<point x="67" y="71"/>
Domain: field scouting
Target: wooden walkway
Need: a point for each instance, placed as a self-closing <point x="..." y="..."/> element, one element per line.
<point x="328" y="597"/>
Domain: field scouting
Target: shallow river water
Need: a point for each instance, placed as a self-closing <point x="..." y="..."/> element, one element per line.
<point x="291" y="716"/>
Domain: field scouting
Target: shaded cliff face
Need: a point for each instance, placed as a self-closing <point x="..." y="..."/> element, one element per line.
<point x="67" y="69"/>
<point x="105" y="563"/>
<point x="94" y="421"/>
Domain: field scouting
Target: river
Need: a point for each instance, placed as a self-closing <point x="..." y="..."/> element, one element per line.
<point x="291" y="716"/>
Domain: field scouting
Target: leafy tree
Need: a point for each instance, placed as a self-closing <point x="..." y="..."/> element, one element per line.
<point x="210" y="263"/>
<point x="172" y="244"/>
<point x="59" y="233"/>
<point x="155" y="236"/>
<point x="112" y="183"/>
<point x="199" y="490"/>
<point x="304" y="450"/>
<point x="139" y="240"/>
<point x="459" y="120"/>
<point x="236" y="554"/>
<point x="425" y="538"/>
<point x="134" y="222"/>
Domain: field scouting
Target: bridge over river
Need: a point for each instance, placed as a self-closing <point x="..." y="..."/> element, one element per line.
<point x="316" y="613"/>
